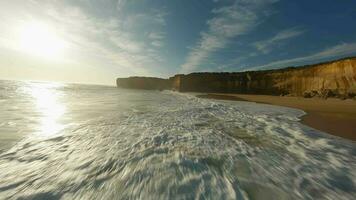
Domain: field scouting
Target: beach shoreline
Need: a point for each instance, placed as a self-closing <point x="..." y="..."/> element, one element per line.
<point x="333" y="116"/>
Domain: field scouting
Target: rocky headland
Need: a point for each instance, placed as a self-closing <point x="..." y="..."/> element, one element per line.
<point x="330" y="79"/>
<point x="144" y="83"/>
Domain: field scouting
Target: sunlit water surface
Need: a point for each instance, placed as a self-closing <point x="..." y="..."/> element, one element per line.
<point x="94" y="142"/>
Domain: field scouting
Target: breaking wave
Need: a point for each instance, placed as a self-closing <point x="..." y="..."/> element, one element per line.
<point x="96" y="142"/>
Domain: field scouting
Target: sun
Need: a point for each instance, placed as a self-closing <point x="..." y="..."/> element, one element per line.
<point x="40" y="40"/>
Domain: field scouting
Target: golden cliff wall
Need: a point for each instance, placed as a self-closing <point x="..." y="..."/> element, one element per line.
<point x="335" y="78"/>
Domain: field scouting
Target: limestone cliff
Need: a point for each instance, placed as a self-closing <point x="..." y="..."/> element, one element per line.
<point x="145" y="83"/>
<point x="335" y="78"/>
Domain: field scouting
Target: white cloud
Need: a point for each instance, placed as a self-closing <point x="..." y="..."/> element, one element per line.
<point x="229" y="22"/>
<point x="120" y="4"/>
<point x="157" y="43"/>
<point x="266" y="46"/>
<point x="334" y="51"/>
<point x="156" y="35"/>
<point x="157" y="38"/>
<point x="159" y="17"/>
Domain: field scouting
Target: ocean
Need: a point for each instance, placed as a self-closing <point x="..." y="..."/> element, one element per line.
<point x="70" y="141"/>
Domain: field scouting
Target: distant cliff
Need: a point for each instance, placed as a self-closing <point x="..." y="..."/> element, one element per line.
<point x="330" y="79"/>
<point x="145" y="83"/>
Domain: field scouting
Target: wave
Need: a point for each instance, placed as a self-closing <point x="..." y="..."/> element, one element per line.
<point x="166" y="145"/>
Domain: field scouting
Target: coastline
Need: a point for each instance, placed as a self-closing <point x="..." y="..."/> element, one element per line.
<point x="333" y="116"/>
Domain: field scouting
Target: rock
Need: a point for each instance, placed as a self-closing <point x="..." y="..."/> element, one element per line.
<point x="310" y="94"/>
<point x="314" y="93"/>
<point x="351" y="95"/>
<point x="307" y="95"/>
<point x="327" y="93"/>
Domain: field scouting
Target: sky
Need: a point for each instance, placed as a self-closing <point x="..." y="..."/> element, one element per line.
<point x="96" y="41"/>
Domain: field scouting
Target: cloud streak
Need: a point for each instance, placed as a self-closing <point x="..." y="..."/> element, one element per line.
<point x="338" y="50"/>
<point x="265" y="46"/>
<point x="229" y="22"/>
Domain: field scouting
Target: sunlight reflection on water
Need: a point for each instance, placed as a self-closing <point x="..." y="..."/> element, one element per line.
<point x="47" y="102"/>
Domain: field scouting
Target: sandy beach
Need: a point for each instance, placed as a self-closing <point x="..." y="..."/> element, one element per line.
<point x="333" y="116"/>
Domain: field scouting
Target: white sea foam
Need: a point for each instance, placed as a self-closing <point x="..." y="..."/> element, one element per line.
<point x="126" y="144"/>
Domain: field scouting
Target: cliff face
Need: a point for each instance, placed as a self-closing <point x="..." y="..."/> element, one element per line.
<point x="145" y="83"/>
<point x="336" y="78"/>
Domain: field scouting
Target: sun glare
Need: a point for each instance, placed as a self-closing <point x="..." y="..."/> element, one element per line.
<point x="40" y="40"/>
<point x="50" y="109"/>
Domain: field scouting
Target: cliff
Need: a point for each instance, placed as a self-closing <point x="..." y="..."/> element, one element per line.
<point x="330" y="79"/>
<point x="145" y="83"/>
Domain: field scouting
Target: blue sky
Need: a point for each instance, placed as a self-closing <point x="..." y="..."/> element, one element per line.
<point x="103" y="39"/>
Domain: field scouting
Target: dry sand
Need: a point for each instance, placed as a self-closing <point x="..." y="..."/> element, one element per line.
<point x="333" y="116"/>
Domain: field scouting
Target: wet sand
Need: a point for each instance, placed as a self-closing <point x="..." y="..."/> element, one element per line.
<point x="333" y="116"/>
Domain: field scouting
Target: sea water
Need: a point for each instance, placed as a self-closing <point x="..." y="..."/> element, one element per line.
<point x="68" y="141"/>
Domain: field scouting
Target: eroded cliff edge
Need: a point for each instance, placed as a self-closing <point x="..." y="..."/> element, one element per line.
<point x="145" y="83"/>
<point x="331" y="79"/>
